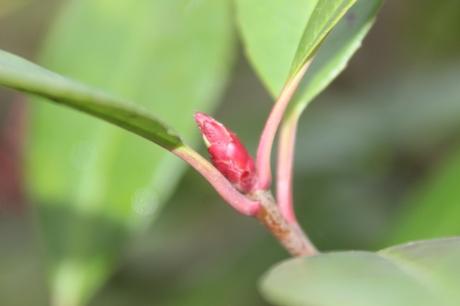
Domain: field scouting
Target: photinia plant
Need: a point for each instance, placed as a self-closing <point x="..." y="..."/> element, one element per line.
<point x="297" y="49"/>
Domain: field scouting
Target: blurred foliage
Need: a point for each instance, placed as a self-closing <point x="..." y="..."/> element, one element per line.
<point x="9" y="6"/>
<point x="365" y="146"/>
<point x="433" y="209"/>
<point x="95" y="184"/>
<point x="22" y="281"/>
<point x="436" y="37"/>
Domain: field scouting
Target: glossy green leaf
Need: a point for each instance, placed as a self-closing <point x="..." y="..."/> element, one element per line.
<point x="280" y="38"/>
<point x="19" y="74"/>
<point x="97" y="184"/>
<point x="424" y="273"/>
<point x="334" y="54"/>
<point x="324" y="17"/>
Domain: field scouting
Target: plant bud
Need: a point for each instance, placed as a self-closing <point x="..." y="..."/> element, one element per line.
<point x="227" y="153"/>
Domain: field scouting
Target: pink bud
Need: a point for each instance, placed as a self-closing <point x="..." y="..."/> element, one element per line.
<point x="228" y="154"/>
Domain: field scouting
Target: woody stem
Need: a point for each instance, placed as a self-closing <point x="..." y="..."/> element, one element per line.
<point x="289" y="235"/>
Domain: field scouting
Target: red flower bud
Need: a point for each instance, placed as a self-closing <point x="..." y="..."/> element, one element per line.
<point x="228" y="154"/>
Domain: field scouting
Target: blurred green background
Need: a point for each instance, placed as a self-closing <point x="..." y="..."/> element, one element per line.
<point x="377" y="163"/>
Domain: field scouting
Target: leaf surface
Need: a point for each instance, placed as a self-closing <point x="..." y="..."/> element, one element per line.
<point x="323" y="18"/>
<point x="338" y="48"/>
<point x="271" y="32"/>
<point x="19" y="74"/>
<point x="280" y="38"/>
<point x="424" y="273"/>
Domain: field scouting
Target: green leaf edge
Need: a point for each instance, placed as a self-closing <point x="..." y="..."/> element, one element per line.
<point x="19" y="74"/>
<point x="302" y="57"/>
<point x="306" y="96"/>
<point x="384" y="254"/>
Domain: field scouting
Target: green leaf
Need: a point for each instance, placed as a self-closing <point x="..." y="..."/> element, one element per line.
<point x="422" y="273"/>
<point x="334" y="54"/>
<point x="280" y="38"/>
<point x="271" y="32"/>
<point x="19" y="74"/>
<point x="96" y="184"/>
<point x="324" y="17"/>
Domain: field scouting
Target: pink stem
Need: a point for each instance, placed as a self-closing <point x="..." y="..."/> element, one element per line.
<point x="271" y="126"/>
<point x="263" y="208"/>
<point x="286" y="150"/>
<point x="226" y="190"/>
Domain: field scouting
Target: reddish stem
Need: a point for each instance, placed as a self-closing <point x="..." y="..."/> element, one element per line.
<point x="237" y="200"/>
<point x="286" y="150"/>
<point x="271" y="126"/>
<point x="260" y="204"/>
